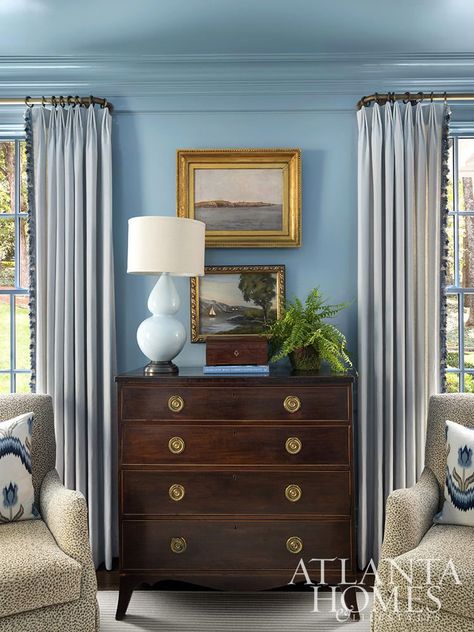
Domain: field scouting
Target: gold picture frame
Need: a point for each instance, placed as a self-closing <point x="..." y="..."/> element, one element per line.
<point x="234" y="313"/>
<point x="225" y="181"/>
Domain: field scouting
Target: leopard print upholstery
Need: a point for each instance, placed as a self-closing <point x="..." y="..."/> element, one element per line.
<point x="68" y="575"/>
<point x="31" y="541"/>
<point x="411" y="535"/>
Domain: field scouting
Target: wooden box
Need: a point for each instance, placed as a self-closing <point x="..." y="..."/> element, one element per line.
<point x="240" y="350"/>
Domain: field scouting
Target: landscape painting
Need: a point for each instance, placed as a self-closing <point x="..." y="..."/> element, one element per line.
<point x="245" y="197"/>
<point x="239" y="199"/>
<point x="236" y="300"/>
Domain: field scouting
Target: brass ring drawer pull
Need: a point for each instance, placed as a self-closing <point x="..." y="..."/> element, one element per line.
<point x="176" y="492"/>
<point x="176" y="445"/>
<point x="293" y="493"/>
<point x="294" y="544"/>
<point x="178" y="545"/>
<point x="293" y="445"/>
<point x="292" y="403"/>
<point x="176" y="403"/>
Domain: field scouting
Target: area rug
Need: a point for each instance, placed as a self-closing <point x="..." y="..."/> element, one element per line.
<point x="168" y="611"/>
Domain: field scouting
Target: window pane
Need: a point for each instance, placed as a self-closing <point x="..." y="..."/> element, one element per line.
<point x="7" y="177"/>
<point x="452" y="334"/>
<point x="22" y="333"/>
<point x="466" y="173"/>
<point x="450" y="261"/>
<point x="468" y="383"/>
<point x="23" y="382"/>
<point x="24" y="245"/>
<point x="450" y="176"/>
<point x="7" y="252"/>
<point x="452" y="380"/>
<point x="23" y="180"/>
<point x="469" y="331"/>
<point x="466" y="251"/>
<point x="5" y="333"/>
<point x="5" y="383"/>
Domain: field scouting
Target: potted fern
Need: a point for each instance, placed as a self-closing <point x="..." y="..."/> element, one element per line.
<point x="303" y="335"/>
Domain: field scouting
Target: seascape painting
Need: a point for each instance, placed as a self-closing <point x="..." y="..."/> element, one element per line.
<point x="239" y="199"/>
<point x="236" y="300"/>
<point x="247" y="198"/>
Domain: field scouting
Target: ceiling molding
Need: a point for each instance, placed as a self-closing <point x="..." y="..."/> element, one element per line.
<point x="240" y="74"/>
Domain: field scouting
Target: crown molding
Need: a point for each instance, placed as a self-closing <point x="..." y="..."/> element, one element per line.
<point x="127" y="76"/>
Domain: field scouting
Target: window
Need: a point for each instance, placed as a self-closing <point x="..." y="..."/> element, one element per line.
<point x="14" y="318"/>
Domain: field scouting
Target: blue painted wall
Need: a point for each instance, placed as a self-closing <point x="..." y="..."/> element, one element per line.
<point x="145" y="146"/>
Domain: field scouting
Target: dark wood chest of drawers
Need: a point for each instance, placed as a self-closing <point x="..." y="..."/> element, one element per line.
<point x="227" y="482"/>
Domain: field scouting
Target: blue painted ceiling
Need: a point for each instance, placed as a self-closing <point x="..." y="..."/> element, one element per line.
<point x="170" y="27"/>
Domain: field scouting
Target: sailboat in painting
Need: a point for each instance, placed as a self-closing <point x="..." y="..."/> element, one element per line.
<point x="212" y="312"/>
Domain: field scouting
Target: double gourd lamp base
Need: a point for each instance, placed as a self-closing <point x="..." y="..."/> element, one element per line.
<point x="165" y="246"/>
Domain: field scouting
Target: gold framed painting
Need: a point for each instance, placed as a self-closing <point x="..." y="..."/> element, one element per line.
<point x="248" y="198"/>
<point x="236" y="300"/>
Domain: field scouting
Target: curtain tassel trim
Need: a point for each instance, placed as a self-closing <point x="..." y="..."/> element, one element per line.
<point x="31" y="243"/>
<point x="444" y="247"/>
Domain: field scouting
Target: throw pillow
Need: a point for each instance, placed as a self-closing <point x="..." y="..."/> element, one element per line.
<point x="458" y="505"/>
<point x="17" y="497"/>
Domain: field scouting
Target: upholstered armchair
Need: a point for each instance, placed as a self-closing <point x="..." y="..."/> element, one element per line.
<point x="47" y="577"/>
<point x="411" y="538"/>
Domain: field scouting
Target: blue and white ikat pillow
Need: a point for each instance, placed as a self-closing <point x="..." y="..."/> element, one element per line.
<point x="17" y="497"/>
<point x="458" y="505"/>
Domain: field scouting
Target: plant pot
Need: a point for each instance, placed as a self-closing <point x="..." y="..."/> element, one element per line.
<point x="305" y="359"/>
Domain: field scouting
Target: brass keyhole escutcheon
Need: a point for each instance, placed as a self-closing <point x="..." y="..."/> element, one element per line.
<point x="178" y="545"/>
<point x="176" y="403"/>
<point x="293" y="445"/>
<point x="236" y="353"/>
<point x="293" y="493"/>
<point x="294" y="544"/>
<point x="292" y="403"/>
<point x="176" y="492"/>
<point x="176" y="445"/>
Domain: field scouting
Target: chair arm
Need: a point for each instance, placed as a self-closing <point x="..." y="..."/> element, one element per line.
<point x="65" y="514"/>
<point x="409" y="515"/>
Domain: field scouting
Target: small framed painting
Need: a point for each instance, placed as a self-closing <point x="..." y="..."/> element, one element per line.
<point x="246" y="197"/>
<point x="236" y="300"/>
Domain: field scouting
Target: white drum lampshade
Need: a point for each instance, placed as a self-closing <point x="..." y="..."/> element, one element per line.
<point x="166" y="246"/>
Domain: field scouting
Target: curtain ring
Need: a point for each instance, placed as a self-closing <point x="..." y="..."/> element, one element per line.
<point x="104" y="104"/>
<point x="445" y="97"/>
<point x="43" y="101"/>
<point x="91" y="100"/>
<point x="27" y="102"/>
<point x="407" y="97"/>
<point x="377" y="98"/>
<point x="420" y="96"/>
<point x="70" y="101"/>
<point x="78" y="100"/>
<point x="431" y="97"/>
<point x="54" y="102"/>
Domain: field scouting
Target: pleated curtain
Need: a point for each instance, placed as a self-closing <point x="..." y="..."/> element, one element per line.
<point x="399" y="299"/>
<point x="73" y="304"/>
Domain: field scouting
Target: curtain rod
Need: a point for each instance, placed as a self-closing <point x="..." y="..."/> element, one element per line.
<point x="55" y="101"/>
<point x="413" y="98"/>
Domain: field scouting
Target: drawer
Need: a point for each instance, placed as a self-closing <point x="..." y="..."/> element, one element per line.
<point x="230" y="545"/>
<point x="175" y="403"/>
<point x="235" y="445"/>
<point x="250" y="492"/>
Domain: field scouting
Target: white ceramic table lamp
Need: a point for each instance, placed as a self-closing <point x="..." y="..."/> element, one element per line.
<point x="170" y="246"/>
